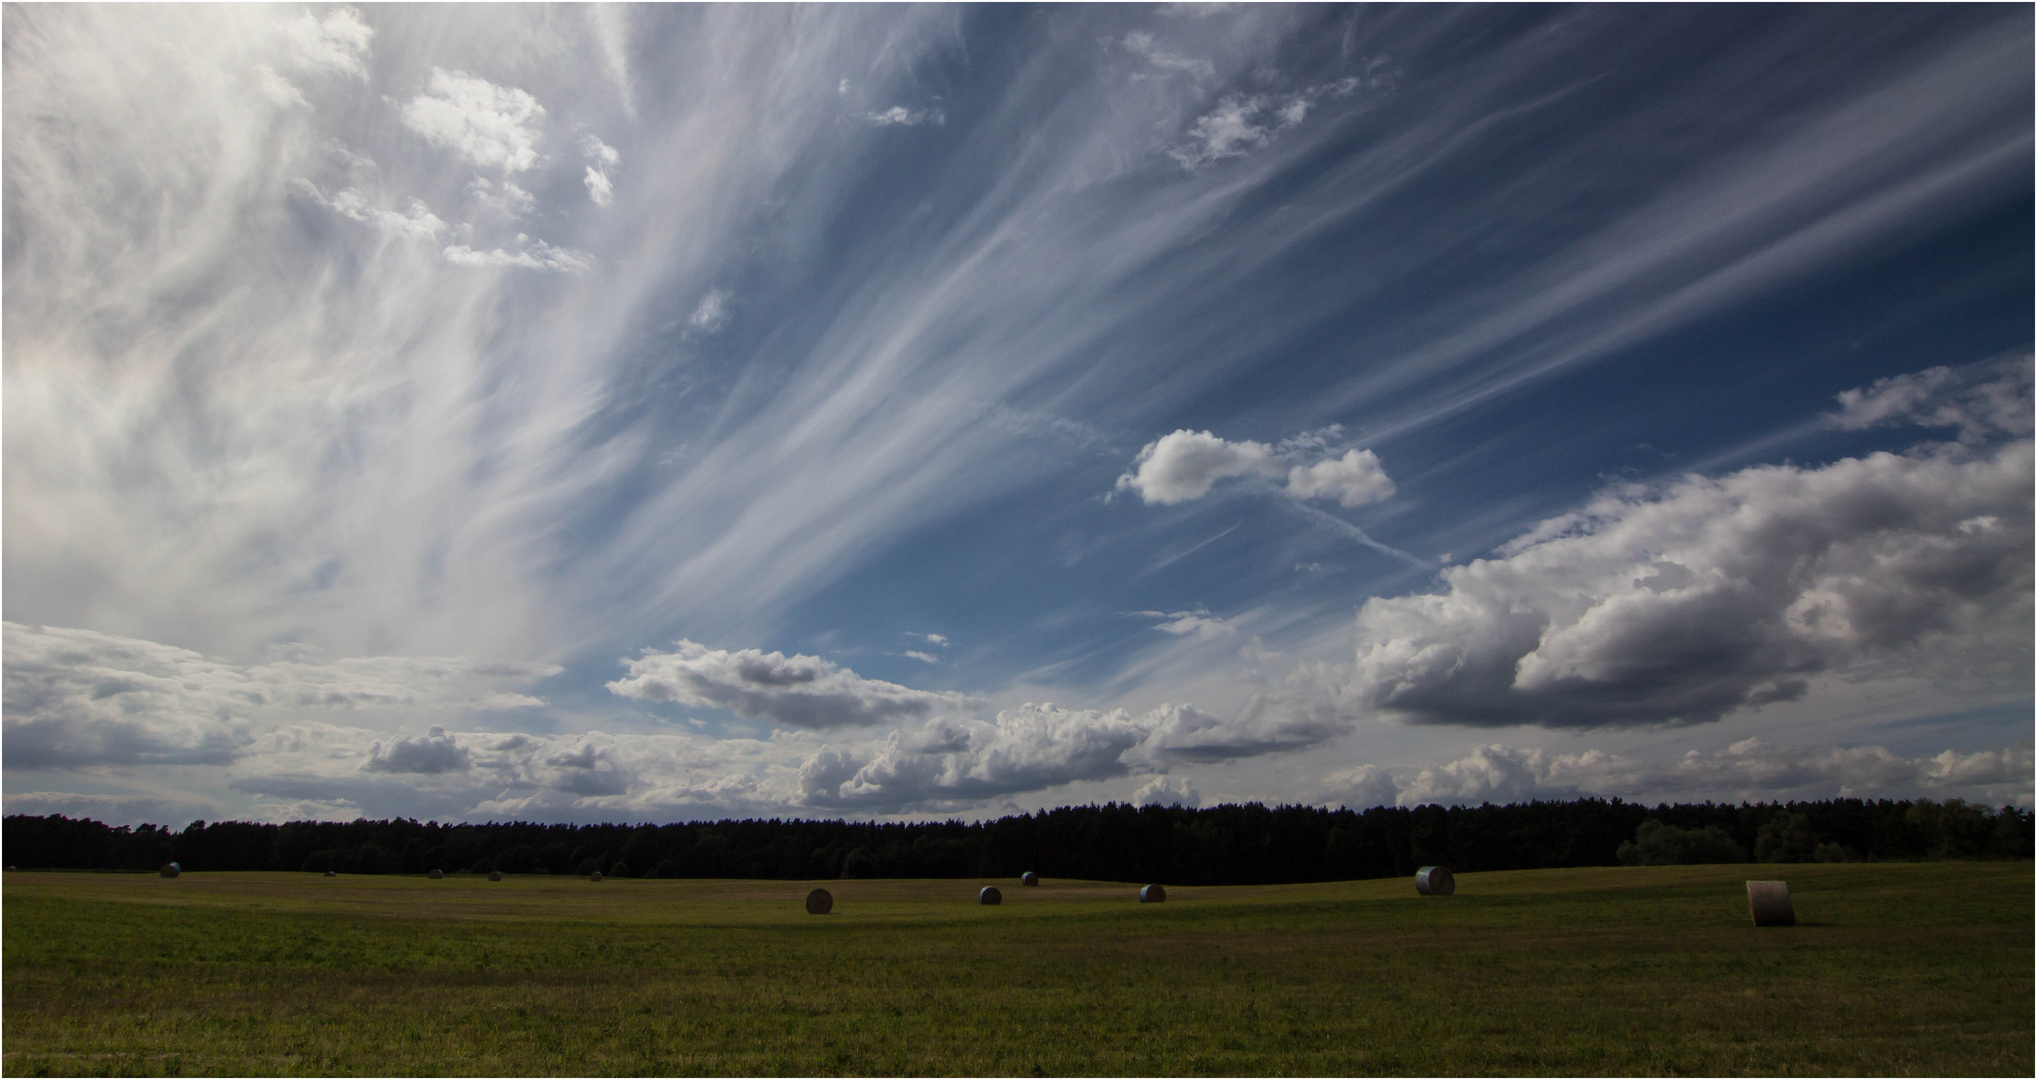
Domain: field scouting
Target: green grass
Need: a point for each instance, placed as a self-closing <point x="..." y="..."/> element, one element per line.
<point x="1896" y="969"/>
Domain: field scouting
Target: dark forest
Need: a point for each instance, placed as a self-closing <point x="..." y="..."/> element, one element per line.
<point x="1248" y="844"/>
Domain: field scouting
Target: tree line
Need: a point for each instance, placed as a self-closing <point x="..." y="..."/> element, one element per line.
<point x="1249" y="844"/>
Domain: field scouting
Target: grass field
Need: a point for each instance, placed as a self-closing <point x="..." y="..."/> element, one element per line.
<point x="1896" y="969"/>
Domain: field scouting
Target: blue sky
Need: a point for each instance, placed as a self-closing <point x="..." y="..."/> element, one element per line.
<point x="618" y="413"/>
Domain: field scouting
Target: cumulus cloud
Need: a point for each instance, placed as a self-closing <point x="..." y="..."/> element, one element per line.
<point x="1185" y="464"/>
<point x="956" y="762"/>
<point x="1168" y="791"/>
<point x="1685" y="601"/>
<point x="529" y="255"/>
<point x="1361" y="788"/>
<point x="507" y="198"/>
<point x="604" y="157"/>
<point x="76" y="698"/>
<point x="1981" y="400"/>
<point x="1353" y="480"/>
<point x="797" y="691"/>
<point x="414" y="222"/>
<point x="900" y="116"/>
<point x="492" y="126"/>
<point x="1750" y="769"/>
<point x="1305" y="708"/>
<point x="336" y="43"/>
<point x="435" y="752"/>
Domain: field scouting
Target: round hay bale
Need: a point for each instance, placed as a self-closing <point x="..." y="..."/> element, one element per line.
<point x="170" y="869"/>
<point x="332" y="873"/>
<point x="1768" y="902"/>
<point x="495" y="875"/>
<point x="436" y="874"/>
<point x="820" y="902"/>
<point x="595" y="876"/>
<point x="989" y="895"/>
<point x="1152" y="894"/>
<point x="1435" y="881"/>
<point x="1029" y="878"/>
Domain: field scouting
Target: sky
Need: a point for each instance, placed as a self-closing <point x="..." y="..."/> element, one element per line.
<point x="607" y="413"/>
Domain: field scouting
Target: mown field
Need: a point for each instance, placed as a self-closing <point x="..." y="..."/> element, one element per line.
<point x="1896" y="969"/>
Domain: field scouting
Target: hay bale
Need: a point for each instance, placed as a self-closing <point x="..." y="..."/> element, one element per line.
<point x="989" y="895"/>
<point x="495" y="875"/>
<point x="170" y="869"/>
<point x="436" y="874"/>
<point x="595" y="876"/>
<point x="332" y="873"/>
<point x="820" y="902"/>
<point x="1029" y="878"/>
<point x="1435" y="881"/>
<point x="1768" y="901"/>
<point x="1152" y="894"/>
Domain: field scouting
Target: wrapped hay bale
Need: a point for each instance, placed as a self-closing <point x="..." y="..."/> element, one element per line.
<point x="495" y="875"/>
<point x="595" y="876"/>
<point x="1435" y="881"/>
<point x="1029" y="878"/>
<point x="170" y="869"/>
<point x="1152" y="894"/>
<point x="820" y="902"/>
<point x="1769" y="903"/>
<point x="436" y="874"/>
<point x="989" y="895"/>
<point x="332" y="873"/>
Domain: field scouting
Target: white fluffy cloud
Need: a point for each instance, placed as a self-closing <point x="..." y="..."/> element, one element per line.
<point x="493" y="126"/>
<point x="336" y="43"/>
<point x="604" y="157"/>
<point x="435" y="752"/>
<point x="414" y="222"/>
<point x="1184" y="465"/>
<point x="797" y="691"/>
<point x="900" y="116"/>
<point x="1747" y="770"/>
<point x="77" y="698"/>
<point x="1353" y="480"/>
<point x="1686" y="601"/>
<point x="529" y="255"/>
<point x="1981" y="400"/>
<point x="1168" y="791"/>
<point x="958" y="762"/>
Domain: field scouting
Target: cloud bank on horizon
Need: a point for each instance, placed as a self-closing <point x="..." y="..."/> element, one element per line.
<point x="645" y="413"/>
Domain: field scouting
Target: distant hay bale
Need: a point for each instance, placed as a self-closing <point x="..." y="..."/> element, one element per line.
<point x="1769" y="903"/>
<point x="1152" y="894"/>
<point x="436" y="874"/>
<point x="332" y="873"/>
<point x="170" y="869"/>
<point x="989" y="895"/>
<point x="820" y="902"/>
<point x="1435" y="881"/>
<point x="595" y="876"/>
<point x="495" y="875"/>
<point x="1029" y="878"/>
